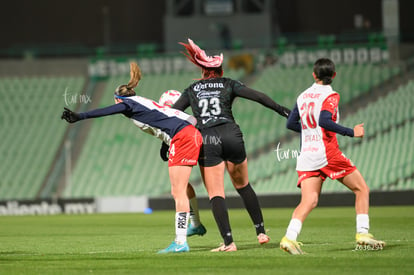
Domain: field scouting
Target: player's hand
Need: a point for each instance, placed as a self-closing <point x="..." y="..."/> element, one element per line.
<point x="284" y="111"/>
<point x="70" y="116"/>
<point x="164" y="151"/>
<point x="359" y="130"/>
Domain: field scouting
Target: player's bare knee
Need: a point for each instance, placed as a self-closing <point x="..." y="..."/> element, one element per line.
<point x="314" y="203"/>
<point x="362" y="189"/>
<point x="310" y="203"/>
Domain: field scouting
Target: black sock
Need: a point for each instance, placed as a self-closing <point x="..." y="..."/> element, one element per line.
<point x="221" y="215"/>
<point x="252" y="206"/>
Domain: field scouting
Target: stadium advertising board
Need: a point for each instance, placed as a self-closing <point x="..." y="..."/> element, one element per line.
<point x="363" y="55"/>
<point x="106" y="67"/>
<point x="47" y="207"/>
<point x="74" y="206"/>
<point x="103" y="67"/>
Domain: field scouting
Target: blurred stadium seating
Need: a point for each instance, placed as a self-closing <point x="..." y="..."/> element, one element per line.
<point x="119" y="160"/>
<point x="31" y="130"/>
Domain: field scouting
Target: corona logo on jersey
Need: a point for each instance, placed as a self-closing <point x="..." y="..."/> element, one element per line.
<point x="214" y="85"/>
<point x="169" y="97"/>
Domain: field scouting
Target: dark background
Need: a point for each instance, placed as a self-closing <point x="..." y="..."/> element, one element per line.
<point x="82" y="22"/>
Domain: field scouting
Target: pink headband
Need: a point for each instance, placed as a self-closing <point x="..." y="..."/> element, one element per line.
<point x="199" y="56"/>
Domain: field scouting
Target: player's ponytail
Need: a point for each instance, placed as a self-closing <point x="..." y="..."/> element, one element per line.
<point x="135" y="73"/>
<point x="128" y="89"/>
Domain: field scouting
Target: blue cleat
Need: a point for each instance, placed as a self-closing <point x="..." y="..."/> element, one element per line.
<point x="199" y="230"/>
<point x="175" y="248"/>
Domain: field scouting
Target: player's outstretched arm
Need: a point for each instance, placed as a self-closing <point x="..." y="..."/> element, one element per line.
<point x="72" y="117"/>
<point x="263" y="99"/>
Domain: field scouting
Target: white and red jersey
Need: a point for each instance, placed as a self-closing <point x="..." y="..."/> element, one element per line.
<point x="318" y="145"/>
<point x="159" y="121"/>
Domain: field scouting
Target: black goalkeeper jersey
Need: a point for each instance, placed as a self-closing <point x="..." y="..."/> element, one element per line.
<point x="211" y="100"/>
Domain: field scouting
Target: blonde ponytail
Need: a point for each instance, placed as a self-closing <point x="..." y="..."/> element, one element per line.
<point x="135" y="73"/>
<point x="128" y="90"/>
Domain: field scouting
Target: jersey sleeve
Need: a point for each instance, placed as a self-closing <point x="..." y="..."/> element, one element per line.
<point x="119" y="108"/>
<point x="326" y="122"/>
<point x="183" y="102"/>
<point x="293" y="120"/>
<point x="261" y="98"/>
<point x="331" y="103"/>
<point x="328" y="111"/>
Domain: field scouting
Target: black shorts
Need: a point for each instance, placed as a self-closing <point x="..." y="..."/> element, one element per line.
<point x="221" y="143"/>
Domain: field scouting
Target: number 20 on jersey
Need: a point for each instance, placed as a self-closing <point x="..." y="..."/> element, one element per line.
<point x="307" y="115"/>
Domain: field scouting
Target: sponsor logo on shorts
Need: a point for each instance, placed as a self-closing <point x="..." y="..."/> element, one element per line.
<point x="302" y="177"/>
<point x="336" y="174"/>
<point x="189" y="161"/>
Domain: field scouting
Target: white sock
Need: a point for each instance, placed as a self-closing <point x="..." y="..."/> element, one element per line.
<point x="181" y="221"/>
<point x="362" y="223"/>
<point x="293" y="230"/>
<point x="194" y="214"/>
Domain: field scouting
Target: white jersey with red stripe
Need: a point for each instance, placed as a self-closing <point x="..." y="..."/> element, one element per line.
<point x="317" y="144"/>
<point x="159" y="121"/>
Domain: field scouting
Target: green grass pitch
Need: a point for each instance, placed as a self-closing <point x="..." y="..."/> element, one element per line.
<point x="127" y="244"/>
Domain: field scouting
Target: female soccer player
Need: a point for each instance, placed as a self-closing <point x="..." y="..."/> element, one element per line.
<point x="195" y="227"/>
<point x="315" y="115"/>
<point x="223" y="148"/>
<point x="172" y="127"/>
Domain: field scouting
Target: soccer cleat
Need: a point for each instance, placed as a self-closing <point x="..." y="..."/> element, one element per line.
<point x="292" y="247"/>
<point x="366" y="241"/>
<point x="175" y="248"/>
<point x="199" y="230"/>
<point x="225" y="248"/>
<point x="263" y="238"/>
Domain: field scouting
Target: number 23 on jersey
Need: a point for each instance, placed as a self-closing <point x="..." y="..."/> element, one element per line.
<point x="209" y="107"/>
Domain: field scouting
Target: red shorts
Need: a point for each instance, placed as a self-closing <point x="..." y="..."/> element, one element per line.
<point x="185" y="147"/>
<point x="338" y="167"/>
